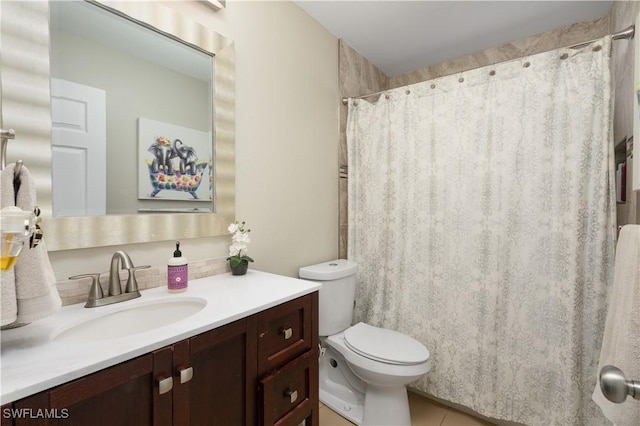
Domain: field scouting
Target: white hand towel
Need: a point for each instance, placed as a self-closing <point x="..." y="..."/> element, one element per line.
<point x="8" y="303"/>
<point x="36" y="290"/>
<point x="36" y="295"/>
<point x="621" y="341"/>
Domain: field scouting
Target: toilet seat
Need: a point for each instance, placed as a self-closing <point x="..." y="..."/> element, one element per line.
<point x="386" y="346"/>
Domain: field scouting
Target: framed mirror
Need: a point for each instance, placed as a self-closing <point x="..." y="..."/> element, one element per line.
<point x="131" y="214"/>
<point x="132" y="116"/>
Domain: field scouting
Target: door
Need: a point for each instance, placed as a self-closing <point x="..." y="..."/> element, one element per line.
<point x="79" y="146"/>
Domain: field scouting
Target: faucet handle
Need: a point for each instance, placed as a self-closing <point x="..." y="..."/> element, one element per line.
<point x="95" y="292"/>
<point x="132" y="284"/>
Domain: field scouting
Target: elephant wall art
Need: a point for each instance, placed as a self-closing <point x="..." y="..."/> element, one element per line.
<point x="174" y="163"/>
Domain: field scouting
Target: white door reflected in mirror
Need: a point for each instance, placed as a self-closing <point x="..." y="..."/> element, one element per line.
<point x="79" y="146"/>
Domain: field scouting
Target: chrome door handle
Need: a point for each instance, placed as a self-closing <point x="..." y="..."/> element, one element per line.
<point x="165" y="385"/>
<point x="615" y="387"/>
<point x="186" y="374"/>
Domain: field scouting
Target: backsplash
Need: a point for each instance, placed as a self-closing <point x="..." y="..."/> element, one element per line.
<point x="77" y="291"/>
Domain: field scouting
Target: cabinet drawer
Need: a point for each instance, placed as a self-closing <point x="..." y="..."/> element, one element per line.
<point x="284" y="332"/>
<point x="286" y="394"/>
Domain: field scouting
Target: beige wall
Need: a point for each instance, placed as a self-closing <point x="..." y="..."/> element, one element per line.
<point x="287" y="134"/>
<point x="287" y="106"/>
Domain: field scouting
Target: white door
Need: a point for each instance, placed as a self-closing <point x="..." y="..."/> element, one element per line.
<point x="79" y="147"/>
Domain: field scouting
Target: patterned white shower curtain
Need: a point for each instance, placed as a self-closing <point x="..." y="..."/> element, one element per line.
<point x="481" y="213"/>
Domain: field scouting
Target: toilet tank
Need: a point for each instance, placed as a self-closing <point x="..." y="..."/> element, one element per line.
<point x="337" y="295"/>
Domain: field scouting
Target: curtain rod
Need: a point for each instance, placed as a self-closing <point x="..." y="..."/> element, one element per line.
<point x="627" y="33"/>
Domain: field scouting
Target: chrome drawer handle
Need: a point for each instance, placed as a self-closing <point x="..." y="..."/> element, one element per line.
<point x="186" y="375"/>
<point x="287" y="332"/>
<point x="165" y="385"/>
<point x="293" y="395"/>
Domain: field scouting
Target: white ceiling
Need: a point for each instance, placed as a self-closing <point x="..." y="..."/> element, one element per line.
<point x="403" y="36"/>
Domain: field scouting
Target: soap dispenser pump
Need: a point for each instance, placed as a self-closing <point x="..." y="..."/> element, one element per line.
<point x="177" y="272"/>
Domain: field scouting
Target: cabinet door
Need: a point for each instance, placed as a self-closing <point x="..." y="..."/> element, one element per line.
<point x="119" y="395"/>
<point x="23" y="409"/>
<point x="7" y="415"/>
<point x="222" y="390"/>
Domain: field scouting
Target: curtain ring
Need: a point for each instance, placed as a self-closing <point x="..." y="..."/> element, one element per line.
<point x="564" y="56"/>
<point x="460" y="80"/>
<point x="597" y="48"/>
<point x="433" y="86"/>
<point x="407" y="92"/>
<point x="492" y="72"/>
<point x="526" y="64"/>
<point x="386" y="96"/>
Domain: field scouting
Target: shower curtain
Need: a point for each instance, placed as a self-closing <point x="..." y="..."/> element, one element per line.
<point x="481" y="213"/>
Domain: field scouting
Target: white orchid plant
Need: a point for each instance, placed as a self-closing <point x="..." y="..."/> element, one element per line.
<point x="239" y="242"/>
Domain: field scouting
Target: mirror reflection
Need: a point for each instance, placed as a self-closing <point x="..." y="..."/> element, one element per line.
<point x="132" y="117"/>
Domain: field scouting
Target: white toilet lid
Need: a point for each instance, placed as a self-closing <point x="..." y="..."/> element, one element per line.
<point x="384" y="345"/>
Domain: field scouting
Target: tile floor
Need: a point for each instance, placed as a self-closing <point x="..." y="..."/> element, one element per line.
<point x="424" y="412"/>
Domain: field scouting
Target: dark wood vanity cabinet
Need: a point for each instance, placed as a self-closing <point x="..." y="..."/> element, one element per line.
<point x="262" y="369"/>
<point x="288" y="363"/>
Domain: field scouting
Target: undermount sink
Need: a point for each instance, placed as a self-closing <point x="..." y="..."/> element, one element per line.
<point x="129" y="320"/>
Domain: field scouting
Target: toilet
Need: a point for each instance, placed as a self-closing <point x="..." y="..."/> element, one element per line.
<point x="364" y="369"/>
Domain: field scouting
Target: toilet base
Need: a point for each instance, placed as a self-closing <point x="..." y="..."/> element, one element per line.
<point x="360" y="403"/>
<point x="386" y="406"/>
<point x="336" y="392"/>
<point x="352" y="412"/>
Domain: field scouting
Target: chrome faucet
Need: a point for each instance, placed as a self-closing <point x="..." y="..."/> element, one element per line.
<point x="114" y="271"/>
<point x="119" y="260"/>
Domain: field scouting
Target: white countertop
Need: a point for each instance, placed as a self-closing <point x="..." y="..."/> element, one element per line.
<point x="31" y="362"/>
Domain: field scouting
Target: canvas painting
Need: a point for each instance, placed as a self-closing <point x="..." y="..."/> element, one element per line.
<point x="174" y="162"/>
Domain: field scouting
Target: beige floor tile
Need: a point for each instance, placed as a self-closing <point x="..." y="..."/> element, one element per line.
<point x="457" y="418"/>
<point x="329" y="418"/>
<point x="425" y="412"/>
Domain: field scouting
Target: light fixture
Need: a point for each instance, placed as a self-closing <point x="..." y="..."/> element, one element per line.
<point x="215" y="4"/>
